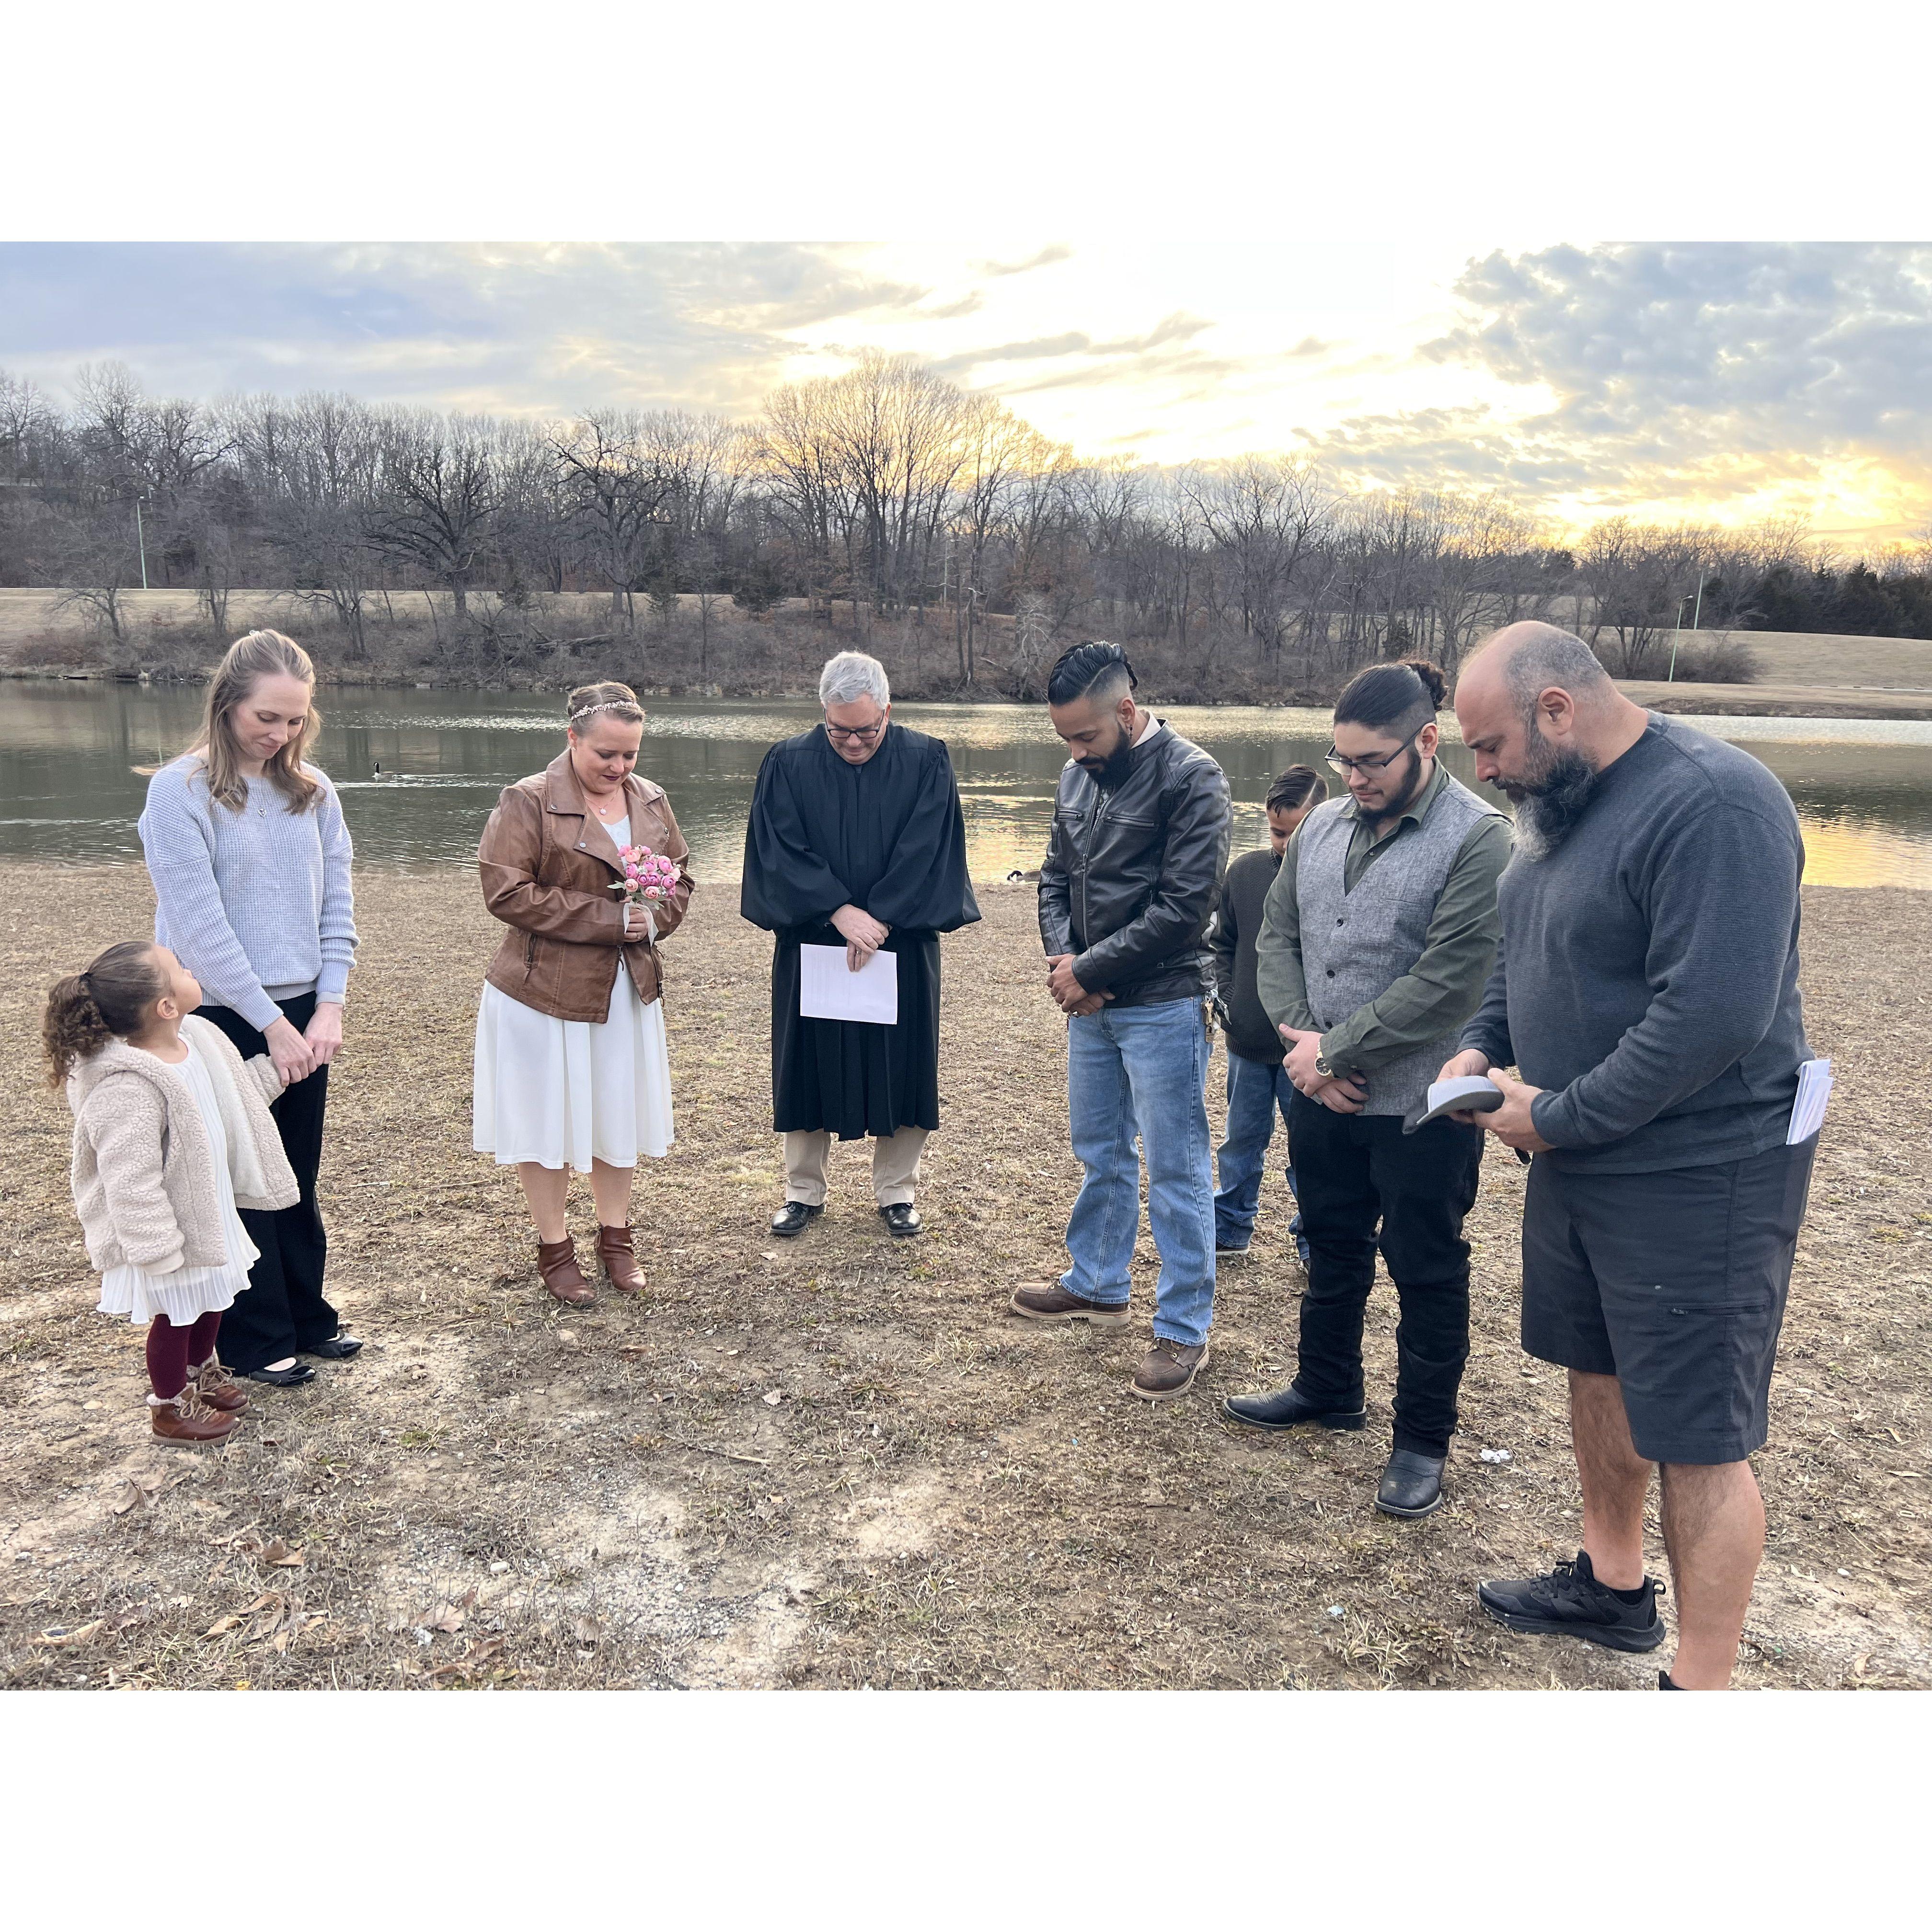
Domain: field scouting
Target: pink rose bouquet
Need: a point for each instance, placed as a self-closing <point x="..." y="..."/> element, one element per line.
<point x="648" y="877"/>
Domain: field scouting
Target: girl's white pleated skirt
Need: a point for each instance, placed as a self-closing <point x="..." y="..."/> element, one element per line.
<point x="563" y="1092"/>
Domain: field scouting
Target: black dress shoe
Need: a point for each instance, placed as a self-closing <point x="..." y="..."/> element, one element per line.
<point x="792" y="1217"/>
<point x="1284" y="1409"/>
<point x="337" y="1349"/>
<point x="902" y="1218"/>
<point x="1411" y="1485"/>
<point x="292" y="1377"/>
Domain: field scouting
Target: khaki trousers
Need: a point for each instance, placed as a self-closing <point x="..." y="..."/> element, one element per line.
<point x="894" y="1166"/>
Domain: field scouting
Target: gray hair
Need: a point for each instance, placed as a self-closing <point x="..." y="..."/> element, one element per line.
<point x="851" y="676"/>
<point x="1548" y="657"/>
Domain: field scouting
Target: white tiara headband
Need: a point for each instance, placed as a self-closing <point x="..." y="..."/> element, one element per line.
<point x="590" y="710"/>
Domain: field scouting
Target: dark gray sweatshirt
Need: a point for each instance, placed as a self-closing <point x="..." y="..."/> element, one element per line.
<point x="1647" y="978"/>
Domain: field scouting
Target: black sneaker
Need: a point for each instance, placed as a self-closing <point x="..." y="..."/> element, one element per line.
<point x="1570" y="1602"/>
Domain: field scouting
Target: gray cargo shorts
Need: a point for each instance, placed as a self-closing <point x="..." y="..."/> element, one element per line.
<point x="1673" y="1282"/>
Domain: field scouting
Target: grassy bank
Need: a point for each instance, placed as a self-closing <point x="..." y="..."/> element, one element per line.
<point x="837" y="1461"/>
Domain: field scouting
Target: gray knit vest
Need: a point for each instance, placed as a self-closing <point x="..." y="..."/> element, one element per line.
<point x="1355" y="945"/>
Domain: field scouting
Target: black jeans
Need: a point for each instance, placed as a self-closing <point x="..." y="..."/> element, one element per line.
<point x="1351" y="1172"/>
<point x="282" y="1312"/>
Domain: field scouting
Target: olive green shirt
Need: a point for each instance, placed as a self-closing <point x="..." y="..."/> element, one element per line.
<point x="1444" y="986"/>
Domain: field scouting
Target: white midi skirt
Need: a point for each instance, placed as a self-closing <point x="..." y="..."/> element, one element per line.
<point x="564" y="1093"/>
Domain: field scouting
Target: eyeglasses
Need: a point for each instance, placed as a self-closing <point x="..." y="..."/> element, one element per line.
<point x="864" y="734"/>
<point x="1376" y="761"/>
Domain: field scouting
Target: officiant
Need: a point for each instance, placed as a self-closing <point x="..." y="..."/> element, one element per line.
<point x="856" y="840"/>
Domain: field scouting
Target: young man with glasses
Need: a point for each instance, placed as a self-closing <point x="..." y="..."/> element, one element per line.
<point x="1377" y="939"/>
<point x="857" y="839"/>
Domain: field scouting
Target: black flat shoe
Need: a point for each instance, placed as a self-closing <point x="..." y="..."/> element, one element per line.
<point x="288" y="1378"/>
<point x="902" y="1218"/>
<point x="337" y="1349"/>
<point x="1287" y="1408"/>
<point x="793" y="1218"/>
<point x="1411" y="1485"/>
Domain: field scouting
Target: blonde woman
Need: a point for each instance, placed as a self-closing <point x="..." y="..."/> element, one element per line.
<point x="571" y="1070"/>
<point x="250" y="858"/>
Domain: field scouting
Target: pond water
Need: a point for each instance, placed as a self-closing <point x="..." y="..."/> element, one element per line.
<point x="67" y="791"/>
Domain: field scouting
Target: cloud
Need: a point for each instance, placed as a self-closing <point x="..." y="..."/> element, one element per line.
<point x="1044" y="258"/>
<point x="1179" y="327"/>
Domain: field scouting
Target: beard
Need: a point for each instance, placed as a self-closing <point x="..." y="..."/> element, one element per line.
<point x="1552" y="794"/>
<point x="1399" y="803"/>
<point x="1110" y="772"/>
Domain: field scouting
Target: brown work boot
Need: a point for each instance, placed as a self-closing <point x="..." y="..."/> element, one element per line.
<point x="1169" y="1370"/>
<point x="1048" y="1301"/>
<point x="556" y="1262"/>
<point x="218" y="1387"/>
<point x="187" y="1422"/>
<point x="616" y="1251"/>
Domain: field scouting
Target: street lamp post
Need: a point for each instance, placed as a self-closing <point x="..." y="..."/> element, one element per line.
<point x="1670" y="676"/>
<point x="141" y="542"/>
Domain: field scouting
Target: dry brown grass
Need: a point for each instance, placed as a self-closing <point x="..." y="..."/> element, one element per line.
<point x="500" y="1492"/>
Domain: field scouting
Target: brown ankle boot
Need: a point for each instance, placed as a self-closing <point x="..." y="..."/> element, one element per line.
<point x="187" y="1422"/>
<point x="556" y="1262"/>
<point x="216" y="1387"/>
<point x="616" y="1251"/>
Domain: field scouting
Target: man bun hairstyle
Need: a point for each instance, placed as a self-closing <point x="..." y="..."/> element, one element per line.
<point x="1397" y="699"/>
<point x="1299" y="785"/>
<point x="1092" y="669"/>
<point x="107" y="999"/>
<point x="589" y="702"/>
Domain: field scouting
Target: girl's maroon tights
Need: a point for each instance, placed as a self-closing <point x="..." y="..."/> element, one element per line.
<point x="170" y="1350"/>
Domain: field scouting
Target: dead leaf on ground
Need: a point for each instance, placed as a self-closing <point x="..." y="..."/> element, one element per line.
<point x="60" y="1639"/>
<point x="222" y="1626"/>
<point x="137" y="1489"/>
<point x="588" y="1630"/>
<point x="448" y="1620"/>
<point x="773" y="1397"/>
<point x="281" y="1556"/>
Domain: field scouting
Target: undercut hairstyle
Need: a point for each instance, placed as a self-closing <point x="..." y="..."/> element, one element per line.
<point x="1397" y="699"/>
<point x="1548" y="657"/>
<point x="589" y="702"/>
<point x="107" y="999"/>
<point x="1094" y="669"/>
<point x="247" y="661"/>
<point x="851" y="676"/>
<point x="1299" y="785"/>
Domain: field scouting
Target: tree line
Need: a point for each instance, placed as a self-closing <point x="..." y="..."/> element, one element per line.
<point x="887" y="502"/>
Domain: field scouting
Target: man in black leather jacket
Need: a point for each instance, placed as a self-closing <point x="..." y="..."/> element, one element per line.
<point x="1139" y="844"/>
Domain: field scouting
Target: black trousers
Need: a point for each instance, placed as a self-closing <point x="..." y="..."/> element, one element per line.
<point x="1353" y="1172"/>
<point x="283" y="1312"/>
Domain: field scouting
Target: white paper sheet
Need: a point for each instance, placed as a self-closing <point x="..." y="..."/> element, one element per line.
<point x="1807" y="1110"/>
<point x="828" y="989"/>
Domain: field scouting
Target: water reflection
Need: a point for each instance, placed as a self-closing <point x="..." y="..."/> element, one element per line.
<point x="1863" y="787"/>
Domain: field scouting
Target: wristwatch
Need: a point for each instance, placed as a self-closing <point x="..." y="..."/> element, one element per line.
<point x="1322" y="1067"/>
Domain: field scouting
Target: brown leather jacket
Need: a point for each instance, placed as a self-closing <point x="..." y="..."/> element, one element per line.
<point x="547" y="867"/>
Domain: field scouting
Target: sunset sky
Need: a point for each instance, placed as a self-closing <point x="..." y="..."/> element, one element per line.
<point x="1716" y="380"/>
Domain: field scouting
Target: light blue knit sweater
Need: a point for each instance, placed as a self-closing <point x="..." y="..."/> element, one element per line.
<point x="256" y="904"/>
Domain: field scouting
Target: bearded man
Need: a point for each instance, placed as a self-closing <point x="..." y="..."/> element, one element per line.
<point x="1647" y="991"/>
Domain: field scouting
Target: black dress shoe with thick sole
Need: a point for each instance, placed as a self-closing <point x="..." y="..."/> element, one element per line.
<point x="902" y="1218"/>
<point x="1288" y="1408"/>
<point x="792" y="1218"/>
<point x="1411" y="1485"/>
<point x="337" y="1349"/>
<point x="288" y="1378"/>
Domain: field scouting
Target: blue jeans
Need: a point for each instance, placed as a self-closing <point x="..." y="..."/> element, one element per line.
<point x="1143" y="1070"/>
<point x="1255" y="1091"/>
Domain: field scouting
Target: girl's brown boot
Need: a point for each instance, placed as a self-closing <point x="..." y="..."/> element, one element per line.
<point x="618" y="1252"/>
<point x="556" y="1262"/>
<point x="216" y="1387"/>
<point x="187" y="1422"/>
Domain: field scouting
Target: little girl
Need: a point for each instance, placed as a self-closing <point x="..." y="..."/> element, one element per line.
<point x="171" y="1133"/>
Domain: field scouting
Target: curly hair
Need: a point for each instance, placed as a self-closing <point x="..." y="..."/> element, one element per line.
<point x="107" y="999"/>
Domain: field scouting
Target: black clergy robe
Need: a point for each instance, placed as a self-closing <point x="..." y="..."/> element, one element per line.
<point x="886" y="836"/>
